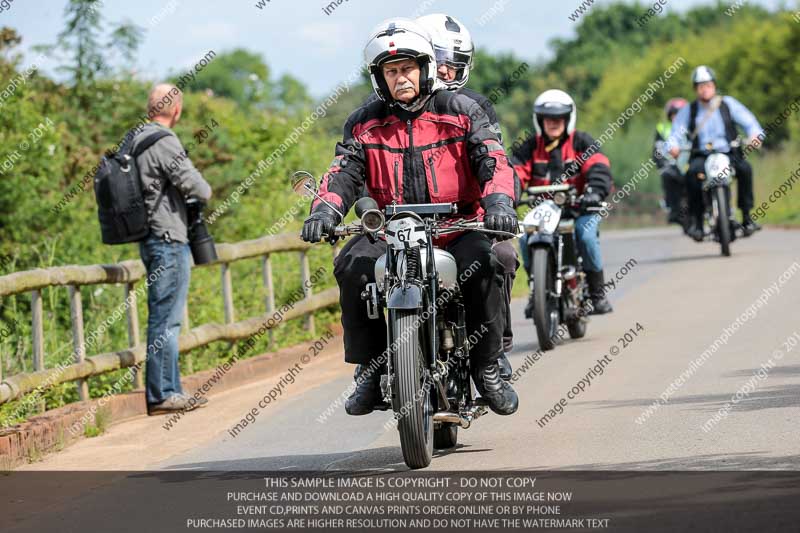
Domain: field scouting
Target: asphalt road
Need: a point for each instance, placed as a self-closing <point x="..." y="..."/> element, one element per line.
<point x="681" y="294"/>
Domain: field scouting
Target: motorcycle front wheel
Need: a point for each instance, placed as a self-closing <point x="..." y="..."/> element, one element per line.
<point x="723" y="221"/>
<point x="413" y="407"/>
<point x="545" y="302"/>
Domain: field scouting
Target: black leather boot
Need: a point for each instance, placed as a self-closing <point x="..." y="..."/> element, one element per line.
<point x="505" y="367"/>
<point x="500" y="396"/>
<point x="367" y="392"/>
<point x="749" y="226"/>
<point x="600" y="304"/>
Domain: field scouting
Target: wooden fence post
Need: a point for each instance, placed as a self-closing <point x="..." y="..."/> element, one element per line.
<point x="132" y="312"/>
<point x="37" y="328"/>
<point x="78" y="339"/>
<point x="227" y="293"/>
<point x="269" y="300"/>
<point x="306" y="275"/>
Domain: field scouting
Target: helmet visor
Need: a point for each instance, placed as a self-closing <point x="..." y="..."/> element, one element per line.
<point x="553" y="109"/>
<point x="452" y="58"/>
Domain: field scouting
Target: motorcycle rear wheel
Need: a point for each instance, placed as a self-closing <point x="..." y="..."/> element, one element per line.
<point x="576" y="328"/>
<point x="445" y="436"/>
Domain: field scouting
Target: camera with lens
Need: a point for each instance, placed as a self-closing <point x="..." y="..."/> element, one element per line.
<point x="200" y="241"/>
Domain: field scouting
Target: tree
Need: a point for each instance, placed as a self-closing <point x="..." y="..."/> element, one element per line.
<point x="239" y="75"/>
<point x="292" y="93"/>
<point x="82" y="40"/>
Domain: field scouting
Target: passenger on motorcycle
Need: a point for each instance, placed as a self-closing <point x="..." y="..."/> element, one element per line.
<point x="454" y="50"/>
<point x="558" y="154"/>
<point x="418" y="144"/>
<point x="672" y="180"/>
<point x="711" y="120"/>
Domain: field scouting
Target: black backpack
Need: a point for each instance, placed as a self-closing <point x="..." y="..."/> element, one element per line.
<point x="118" y="191"/>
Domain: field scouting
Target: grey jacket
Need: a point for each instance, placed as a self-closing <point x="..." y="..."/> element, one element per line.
<point x="167" y="160"/>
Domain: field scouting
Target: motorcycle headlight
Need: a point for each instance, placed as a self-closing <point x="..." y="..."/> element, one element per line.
<point x="372" y="220"/>
<point x="560" y="198"/>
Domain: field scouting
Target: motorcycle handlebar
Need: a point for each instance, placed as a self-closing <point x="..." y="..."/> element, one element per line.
<point x="347" y="230"/>
<point x="544" y="189"/>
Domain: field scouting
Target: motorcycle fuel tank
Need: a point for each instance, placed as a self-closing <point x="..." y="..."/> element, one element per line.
<point x="445" y="266"/>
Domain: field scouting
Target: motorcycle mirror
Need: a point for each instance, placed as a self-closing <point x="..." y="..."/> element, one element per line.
<point x="365" y="204"/>
<point x="304" y="184"/>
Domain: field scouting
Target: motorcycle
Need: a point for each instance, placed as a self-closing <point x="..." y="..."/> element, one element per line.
<point x="718" y="221"/>
<point x="427" y="373"/>
<point x="559" y="292"/>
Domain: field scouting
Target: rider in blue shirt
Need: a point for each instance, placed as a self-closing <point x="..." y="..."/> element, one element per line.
<point x="710" y="122"/>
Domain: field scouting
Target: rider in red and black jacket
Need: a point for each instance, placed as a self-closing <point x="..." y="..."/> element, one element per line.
<point x="418" y="144"/>
<point x="558" y="154"/>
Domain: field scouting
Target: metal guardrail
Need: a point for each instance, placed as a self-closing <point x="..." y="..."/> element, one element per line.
<point x="129" y="273"/>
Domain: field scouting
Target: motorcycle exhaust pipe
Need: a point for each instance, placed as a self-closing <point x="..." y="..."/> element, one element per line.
<point x="447" y="416"/>
<point x="464" y="420"/>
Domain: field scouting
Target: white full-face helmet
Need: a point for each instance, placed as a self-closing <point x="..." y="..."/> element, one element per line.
<point x="554" y="103"/>
<point x="395" y="39"/>
<point x="452" y="44"/>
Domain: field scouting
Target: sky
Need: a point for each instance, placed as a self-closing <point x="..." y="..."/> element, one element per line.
<point x="298" y="36"/>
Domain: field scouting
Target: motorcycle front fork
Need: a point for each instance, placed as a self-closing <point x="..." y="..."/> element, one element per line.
<point x="712" y="209"/>
<point x="559" y="274"/>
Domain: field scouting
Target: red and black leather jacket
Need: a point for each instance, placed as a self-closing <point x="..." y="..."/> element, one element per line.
<point x="575" y="161"/>
<point x="445" y="152"/>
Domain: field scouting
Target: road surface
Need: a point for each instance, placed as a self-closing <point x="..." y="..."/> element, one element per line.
<point x="682" y="295"/>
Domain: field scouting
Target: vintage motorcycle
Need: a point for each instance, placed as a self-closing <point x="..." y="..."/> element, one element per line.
<point x="559" y="292"/>
<point x="427" y="369"/>
<point x="719" y="224"/>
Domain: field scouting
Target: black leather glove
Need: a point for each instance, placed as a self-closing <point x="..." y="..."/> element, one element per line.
<point x="500" y="215"/>
<point x="321" y="222"/>
<point x="591" y="199"/>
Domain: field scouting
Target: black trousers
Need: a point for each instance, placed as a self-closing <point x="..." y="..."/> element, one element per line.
<point x="694" y="187"/>
<point x="507" y="255"/>
<point x="483" y="292"/>
<point x="673" y="183"/>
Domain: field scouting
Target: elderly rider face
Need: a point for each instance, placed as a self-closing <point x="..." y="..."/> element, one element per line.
<point x="402" y="78"/>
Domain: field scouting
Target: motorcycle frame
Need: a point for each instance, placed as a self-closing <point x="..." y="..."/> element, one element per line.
<point x="398" y="292"/>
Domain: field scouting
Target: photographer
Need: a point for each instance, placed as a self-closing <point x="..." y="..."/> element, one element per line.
<point x="174" y="195"/>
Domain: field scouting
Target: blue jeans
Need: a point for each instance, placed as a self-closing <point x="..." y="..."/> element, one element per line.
<point x="169" y="271"/>
<point x="588" y="237"/>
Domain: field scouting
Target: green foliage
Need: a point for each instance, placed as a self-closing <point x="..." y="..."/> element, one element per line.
<point x="33" y="236"/>
<point x="102" y="418"/>
<point x="239" y="75"/>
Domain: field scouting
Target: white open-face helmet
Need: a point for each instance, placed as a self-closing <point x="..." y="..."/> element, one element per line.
<point x="452" y="44"/>
<point x="395" y="39"/>
<point x="703" y="74"/>
<point x="554" y="104"/>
